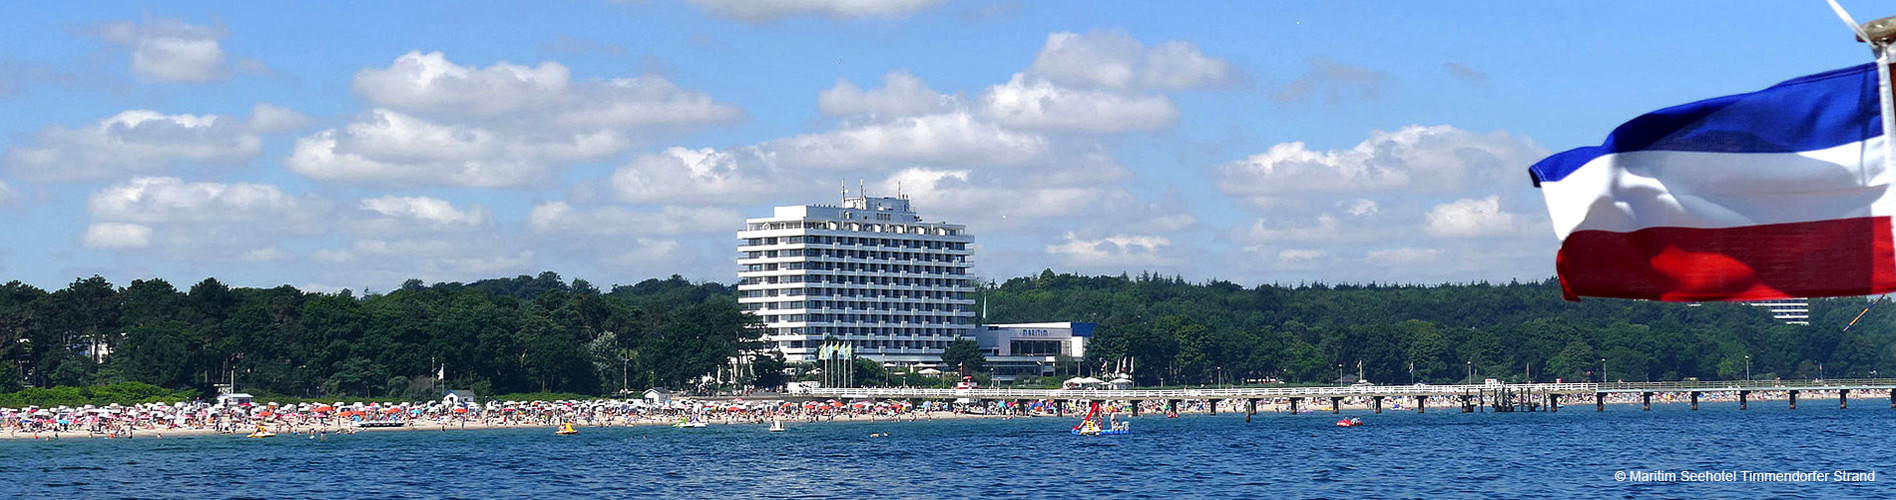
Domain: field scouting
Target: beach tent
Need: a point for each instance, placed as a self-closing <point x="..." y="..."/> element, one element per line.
<point x="1082" y="383"/>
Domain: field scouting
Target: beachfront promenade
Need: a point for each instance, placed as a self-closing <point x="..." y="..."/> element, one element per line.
<point x="1469" y="397"/>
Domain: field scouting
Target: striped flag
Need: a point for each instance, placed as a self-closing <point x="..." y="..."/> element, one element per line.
<point x="1779" y="193"/>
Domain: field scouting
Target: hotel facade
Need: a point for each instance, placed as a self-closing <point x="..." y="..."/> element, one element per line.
<point x="868" y="273"/>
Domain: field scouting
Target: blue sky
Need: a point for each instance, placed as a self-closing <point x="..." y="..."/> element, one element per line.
<point x="334" y="145"/>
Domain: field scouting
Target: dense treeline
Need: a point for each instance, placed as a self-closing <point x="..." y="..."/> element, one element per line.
<point x="526" y="334"/>
<point x="540" y="334"/>
<point x="1184" y="333"/>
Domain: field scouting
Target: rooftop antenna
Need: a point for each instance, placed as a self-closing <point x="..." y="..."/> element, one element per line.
<point x="845" y="189"/>
<point x="859" y="187"/>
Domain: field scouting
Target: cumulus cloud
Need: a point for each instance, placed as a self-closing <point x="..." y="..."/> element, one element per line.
<point x="1119" y="251"/>
<point x="411" y="214"/>
<point x="505" y="125"/>
<point x="1470" y="218"/>
<point x="695" y="176"/>
<point x="375" y="260"/>
<point x="7" y="194"/>
<point x="1334" y="82"/>
<point x="758" y="11"/>
<point x="1414" y="159"/>
<point x="169" y="50"/>
<point x="943" y="139"/>
<point x="1115" y="60"/>
<point x="902" y="94"/>
<point x="202" y="221"/>
<point x="561" y="218"/>
<point x="391" y="148"/>
<point x="145" y="141"/>
<point x="1042" y="105"/>
<point x="1404" y="256"/>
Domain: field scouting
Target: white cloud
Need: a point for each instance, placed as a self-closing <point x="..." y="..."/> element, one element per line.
<point x="144" y="141"/>
<point x="428" y="259"/>
<point x="266" y="254"/>
<point x="1415" y="159"/>
<point x="1115" y="60"/>
<point x="117" y="235"/>
<point x="411" y="214"/>
<point x="647" y="252"/>
<point x="7" y="194"/>
<point x="1470" y="218"/>
<point x="757" y="11"/>
<point x="902" y="94"/>
<point x="1040" y="104"/>
<point x="506" y="125"/>
<point x="561" y="218"/>
<point x="943" y="139"/>
<point x="1116" y="251"/>
<point x="695" y="176"/>
<point x="390" y="148"/>
<point x="545" y="94"/>
<point x="201" y="221"/>
<point x="1404" y="256"/>
<point x="1302" y="255"/>
<point x="169" y="50"/>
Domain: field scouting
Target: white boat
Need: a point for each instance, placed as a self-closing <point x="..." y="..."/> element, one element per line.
<point x="776" y="425"/>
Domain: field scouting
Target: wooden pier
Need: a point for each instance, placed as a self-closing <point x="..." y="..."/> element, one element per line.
<point x="1504" y="398"/>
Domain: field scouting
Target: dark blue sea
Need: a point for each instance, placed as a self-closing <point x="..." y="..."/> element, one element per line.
<point x="1574" y="453"/>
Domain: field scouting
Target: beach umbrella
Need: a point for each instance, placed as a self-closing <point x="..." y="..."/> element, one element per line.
<point x="460" y="410"/>
<point x="325" y="409"/>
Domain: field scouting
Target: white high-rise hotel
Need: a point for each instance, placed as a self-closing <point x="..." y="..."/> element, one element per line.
<point x="869" y="272"/>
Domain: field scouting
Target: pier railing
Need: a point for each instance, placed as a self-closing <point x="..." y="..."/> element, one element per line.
<point x="1207" y="393"/>
<point x="1355" y="390"/>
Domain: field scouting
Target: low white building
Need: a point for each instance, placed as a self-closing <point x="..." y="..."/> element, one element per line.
<point x="1031" y="349"/>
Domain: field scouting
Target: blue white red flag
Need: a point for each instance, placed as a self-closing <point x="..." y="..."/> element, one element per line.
<point x="1778" y="193"/>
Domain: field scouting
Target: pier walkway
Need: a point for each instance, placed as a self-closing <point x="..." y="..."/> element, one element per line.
<point x="1502" y="397"/>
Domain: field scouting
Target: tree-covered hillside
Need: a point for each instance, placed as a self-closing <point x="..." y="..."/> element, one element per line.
<point x="1179" y="332"/>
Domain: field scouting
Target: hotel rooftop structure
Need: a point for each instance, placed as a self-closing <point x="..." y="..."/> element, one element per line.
<point x="869" y="273"/>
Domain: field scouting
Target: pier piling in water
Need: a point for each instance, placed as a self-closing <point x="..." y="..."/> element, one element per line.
<point x="1843" y="399"/>
<point x="1377" y="404"/>
<point x="1422" y="402"/>
<point x="1553" y="402"/>
<point x="1745" y="396"/>
<point x="1599" y="401"/>
<point x="1793" y="400"/>
<point x="1293" y="405"/>
<point x="1336" y="404"/>
<point x="1213" y="404"/>
<point x="1647" y="398"/>
<point x="1694" y="400"/>
<point x="1250" y="408"/>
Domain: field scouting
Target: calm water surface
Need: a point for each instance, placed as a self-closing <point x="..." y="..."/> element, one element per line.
<point x="1569" y="454"/>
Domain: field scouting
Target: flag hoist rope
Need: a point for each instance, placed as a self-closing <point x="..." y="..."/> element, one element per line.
<point x="1879" y="34"/>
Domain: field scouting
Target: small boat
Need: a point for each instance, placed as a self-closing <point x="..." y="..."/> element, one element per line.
<point x="1350" y="422"/>
<point x="776" y="425"/>
<point x="566" y="429"/>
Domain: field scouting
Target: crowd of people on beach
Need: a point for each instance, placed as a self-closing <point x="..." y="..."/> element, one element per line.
<point x="318" y="420"/>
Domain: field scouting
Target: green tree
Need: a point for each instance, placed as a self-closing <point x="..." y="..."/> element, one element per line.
<point x="965" y="356"/>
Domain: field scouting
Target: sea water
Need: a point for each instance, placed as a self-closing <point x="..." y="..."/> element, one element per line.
<point x="1669" y="452"/>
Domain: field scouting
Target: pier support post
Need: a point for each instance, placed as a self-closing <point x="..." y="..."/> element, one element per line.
<point x="1553" y="402"/>
<point x="1793" y="400"/>
<point x="1213" y="404"/>
<point x="1467" y="406"/>
<point x="1135" y="406"/>
<point x="1250" y="408"/>
<point x="1843" y="399"/>
<point x="1171" y="407"/>
<point x="1059" y="407"/>
<point x="1336" y="404"/>
<point x="1647" y="398"/>
<point x="1293" y="405"/>
<point x="1694" y="400"/>
<point x="1892" y="399"/>
<point x="1422" y="402"/>
<point x="1377" y="403"/>
<point x="1744" y="400"/>
<point x="1599" y="401"/>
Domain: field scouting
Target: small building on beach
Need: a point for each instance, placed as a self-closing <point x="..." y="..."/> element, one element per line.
<point x="658" y="395"/>
<point x="458" y="398"/>
<point x="233" y="398"/>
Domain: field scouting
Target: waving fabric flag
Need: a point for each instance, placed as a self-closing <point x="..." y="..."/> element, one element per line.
<point x="1778" y="193"/>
